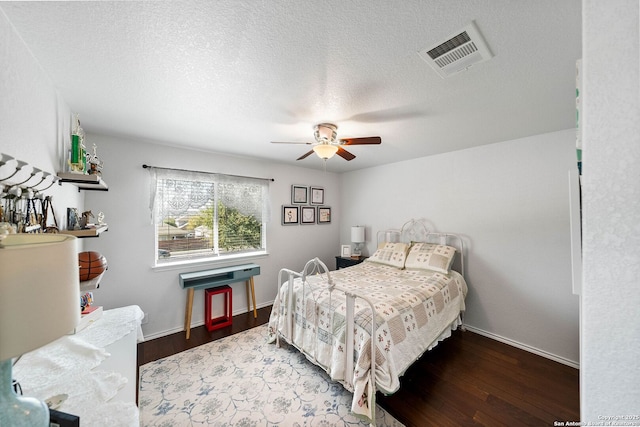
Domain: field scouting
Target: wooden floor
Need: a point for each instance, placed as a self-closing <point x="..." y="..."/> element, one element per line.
<point x="467" y="380"/>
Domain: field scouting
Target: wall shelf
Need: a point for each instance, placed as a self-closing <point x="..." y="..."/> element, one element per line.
<point x="86" y="232"/>
<point x="84" y="182"/>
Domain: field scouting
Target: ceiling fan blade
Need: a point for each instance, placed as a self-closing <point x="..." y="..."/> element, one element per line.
<point x="305" y="155"/>
<point x="291" y="142"/>
<point x="344" y="154"/>
<point x="361" y="141"/>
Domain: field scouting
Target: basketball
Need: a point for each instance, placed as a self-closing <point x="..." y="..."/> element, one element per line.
<point x="92" y="264"/>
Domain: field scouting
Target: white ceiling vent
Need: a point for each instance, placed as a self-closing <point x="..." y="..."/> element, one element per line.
<point x="460" y="51"/>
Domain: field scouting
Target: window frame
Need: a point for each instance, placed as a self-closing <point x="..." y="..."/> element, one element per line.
<point x="220" y="183"/>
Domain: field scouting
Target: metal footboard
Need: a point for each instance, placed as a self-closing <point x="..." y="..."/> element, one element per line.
<point x="316" y="267"/>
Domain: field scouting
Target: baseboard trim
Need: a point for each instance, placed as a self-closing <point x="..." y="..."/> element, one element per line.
<point x="524" y="347"/>
<point x="166" y="332"/>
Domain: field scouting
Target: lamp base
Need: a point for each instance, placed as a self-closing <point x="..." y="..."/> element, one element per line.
<point x="357" y="251"/>
<point x="19" y="411"/>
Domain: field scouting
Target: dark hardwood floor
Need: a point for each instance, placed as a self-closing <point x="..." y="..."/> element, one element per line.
<point x="467" y="380"/>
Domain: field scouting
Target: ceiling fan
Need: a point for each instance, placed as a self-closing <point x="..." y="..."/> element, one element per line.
<point x="327" y="144"/>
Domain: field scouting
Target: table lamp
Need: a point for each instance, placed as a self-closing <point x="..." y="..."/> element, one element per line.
<point x="357" y="237"/>
<point x="39" y="302"/>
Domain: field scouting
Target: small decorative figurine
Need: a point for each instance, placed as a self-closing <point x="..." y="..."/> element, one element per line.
<point x="85" y="218"/>
<point x="95" y="165"/>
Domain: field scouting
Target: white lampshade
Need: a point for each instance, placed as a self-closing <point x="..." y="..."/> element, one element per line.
<point x="39" y="291"/>
<point x="357" y="234"/>
<point x="325" y="151"/>
<point x="39" y="303"/>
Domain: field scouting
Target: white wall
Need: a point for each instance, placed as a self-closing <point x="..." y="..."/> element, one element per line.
<point x="35" y="122"/>
<point x="129" y="243"/>
<point x="610" y="374"/>
<point x="510" y="202"/>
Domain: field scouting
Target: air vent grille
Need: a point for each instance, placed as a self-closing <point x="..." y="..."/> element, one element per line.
<point x="459" y="52"/>
<point x="449" y="45"/>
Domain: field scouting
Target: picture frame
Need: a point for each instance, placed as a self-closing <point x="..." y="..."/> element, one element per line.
<point x="73" y="220"/>
<point x="345" y="251"/>
<point x="62" y="419"/>
<point x="317" y="196"/>
<point x="324" y="215"/>
<point x="289" y="215"/>
<point x="299" y="195"/>
<point x="307" y="215"/>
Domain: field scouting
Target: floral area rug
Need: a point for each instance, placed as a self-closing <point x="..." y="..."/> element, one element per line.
<point x="241" y="380"/>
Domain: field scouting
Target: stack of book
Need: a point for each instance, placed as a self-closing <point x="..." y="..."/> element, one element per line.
<point x="89" y="315"/>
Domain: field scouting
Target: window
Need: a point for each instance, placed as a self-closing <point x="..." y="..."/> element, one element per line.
<point x="205" y="216"/>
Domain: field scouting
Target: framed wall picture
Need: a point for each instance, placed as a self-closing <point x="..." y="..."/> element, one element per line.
<point x="299" y="195"/>
<point x="317" y="196"/>
<point x="345" y="251"/>
<point x="308" y="215"/>
<point x="289" y="215"/>
<point x="62" y="419"/>
<point x="73" y="220"/>
<point x="324" y="215"/>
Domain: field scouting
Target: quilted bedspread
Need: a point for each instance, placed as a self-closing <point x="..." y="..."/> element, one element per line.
<point x="413" y="309"/>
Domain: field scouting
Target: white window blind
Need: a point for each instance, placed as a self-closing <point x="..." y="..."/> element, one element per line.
<point x="200" y="216"/>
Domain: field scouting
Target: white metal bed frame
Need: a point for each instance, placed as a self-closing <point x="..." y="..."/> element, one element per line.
<point x="412" y="231"/>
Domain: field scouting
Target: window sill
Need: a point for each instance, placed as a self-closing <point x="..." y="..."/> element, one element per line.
<point x="213" y="262"/>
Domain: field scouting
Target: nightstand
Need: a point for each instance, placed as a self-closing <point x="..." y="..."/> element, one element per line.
<point x="342" y="262"/>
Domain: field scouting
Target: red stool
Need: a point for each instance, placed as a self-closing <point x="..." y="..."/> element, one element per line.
<point x="224" y="320"/>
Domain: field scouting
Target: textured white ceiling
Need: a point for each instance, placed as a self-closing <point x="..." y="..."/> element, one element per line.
<point x="231" y="76"/>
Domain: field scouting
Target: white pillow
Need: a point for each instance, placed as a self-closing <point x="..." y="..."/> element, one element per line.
<point x="429" y="256"/>
<point x="393" y="254"/>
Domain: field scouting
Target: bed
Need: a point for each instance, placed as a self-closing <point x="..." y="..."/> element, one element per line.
<point x="414" y="283"/>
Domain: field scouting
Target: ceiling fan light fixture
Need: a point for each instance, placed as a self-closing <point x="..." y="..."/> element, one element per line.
<point x="325" y="151"/>
<point x="328" y="145"/>
<point x="325" y="132"/>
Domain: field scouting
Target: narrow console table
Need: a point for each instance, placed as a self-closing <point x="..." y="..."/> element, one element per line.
<point x="218" y="277"/>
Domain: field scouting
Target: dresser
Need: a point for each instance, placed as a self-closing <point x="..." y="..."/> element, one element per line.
<point x="95" y="368"/>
